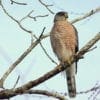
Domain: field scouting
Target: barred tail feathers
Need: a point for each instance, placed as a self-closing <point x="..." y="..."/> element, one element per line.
<point x="70" y="77"/>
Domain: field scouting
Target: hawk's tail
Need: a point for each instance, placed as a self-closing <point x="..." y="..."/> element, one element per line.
<point x="71" y="80"/>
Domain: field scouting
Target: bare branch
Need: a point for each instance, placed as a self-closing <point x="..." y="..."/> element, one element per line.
<point x="92" y="49"/>
<point x="46" y="35"/>
<point x="27" y="15"/>
<point x="19" y="22"/>
<point x="47" y="93"/>
<point x="10" y="93"/>
<point x="13" y="66"/>
<point x="12" y="2"/>
<point x="35" y="17"/>
<point x="15" y="20"/>
<point x="16" y="82"/>
<point x="95" y="88"/>
<point x="28" y="31"/>
<point x="85" y="49"/>
<point x="46" y="52"/>
<point x="41" y="92"/>
<point x="90" y="13"/>
<point x="89" y="90"/>
<point x="41" y="33"/>
<point x="47" y="7"/>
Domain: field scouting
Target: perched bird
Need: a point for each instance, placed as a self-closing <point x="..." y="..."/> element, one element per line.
<point x="64" y="41"/>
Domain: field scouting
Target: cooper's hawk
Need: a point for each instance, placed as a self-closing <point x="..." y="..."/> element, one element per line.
<point x="64" y="41"/>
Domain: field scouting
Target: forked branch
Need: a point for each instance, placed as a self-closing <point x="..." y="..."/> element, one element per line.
<point x="21" y="90"/>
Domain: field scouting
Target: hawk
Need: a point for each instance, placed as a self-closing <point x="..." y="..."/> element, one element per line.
<point x="64" y="41"/>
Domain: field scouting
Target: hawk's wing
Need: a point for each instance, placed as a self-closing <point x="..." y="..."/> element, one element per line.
<point x="77" y="44"/>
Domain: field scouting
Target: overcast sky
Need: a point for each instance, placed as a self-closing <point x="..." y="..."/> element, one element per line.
<point x="14" y="41"/>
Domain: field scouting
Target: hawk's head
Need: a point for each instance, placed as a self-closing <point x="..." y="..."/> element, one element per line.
<point x="60" y="16"/>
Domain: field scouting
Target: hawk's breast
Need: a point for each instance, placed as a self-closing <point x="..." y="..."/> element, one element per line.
<point x="63" y="40"/>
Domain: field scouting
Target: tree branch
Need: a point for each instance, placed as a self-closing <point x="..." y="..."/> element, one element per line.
<point x="47" y="93"/>
<point x="15" y="20"/>
<point x="20" y="90"/>
<point x="35" y="17"/>
<point x="27" y="16"/>
<point x="90" y="13"/>
<point x="16" y="82"/>
<point x="47" y="7"/>
<point x="12" y="67"/>
<point x="85" y="49"/>
<point x="46" y="52"/>
<point x="12" y="2"/>
<point x="89" y="90"/>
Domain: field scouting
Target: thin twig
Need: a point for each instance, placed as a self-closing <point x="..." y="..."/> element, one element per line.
<point x="35" y="17"/>
<point x="47" y="6"/>
<point x="18" y="22"/>
<point x="46" y="52"/>
<point x="27" y="16"/>
<point x="16" y="82"/>
<point x="85" y="91"/>
<point x="13" y="66"/>
<point x="12" y="2"/>
<point x="41" y="33"/>
<point x="4" y="94"/>
<point x="90" y="13"/>
<point x="15" y="20"/>
<point x="89" y="90"/>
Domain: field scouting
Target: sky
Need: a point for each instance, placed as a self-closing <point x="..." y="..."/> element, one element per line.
<point x="14" y="41"/>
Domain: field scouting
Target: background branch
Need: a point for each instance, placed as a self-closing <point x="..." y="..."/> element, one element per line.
<point x="9" y="93"/>
<point x="19" y="3"/>
<point x="89" y="90"/>
<point x="46" y="52"/>
<point x="47" y="93"/>
<point x="90" y="13"/>
<point x="47" y="7"/>
<point x="12" y="67"/>
<point x="16" y="82"/>
<point x="38" y="16"/>
<point x="85" y="49"/>
<point x="15" y="20"/>
<point x="27" y="16"/>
